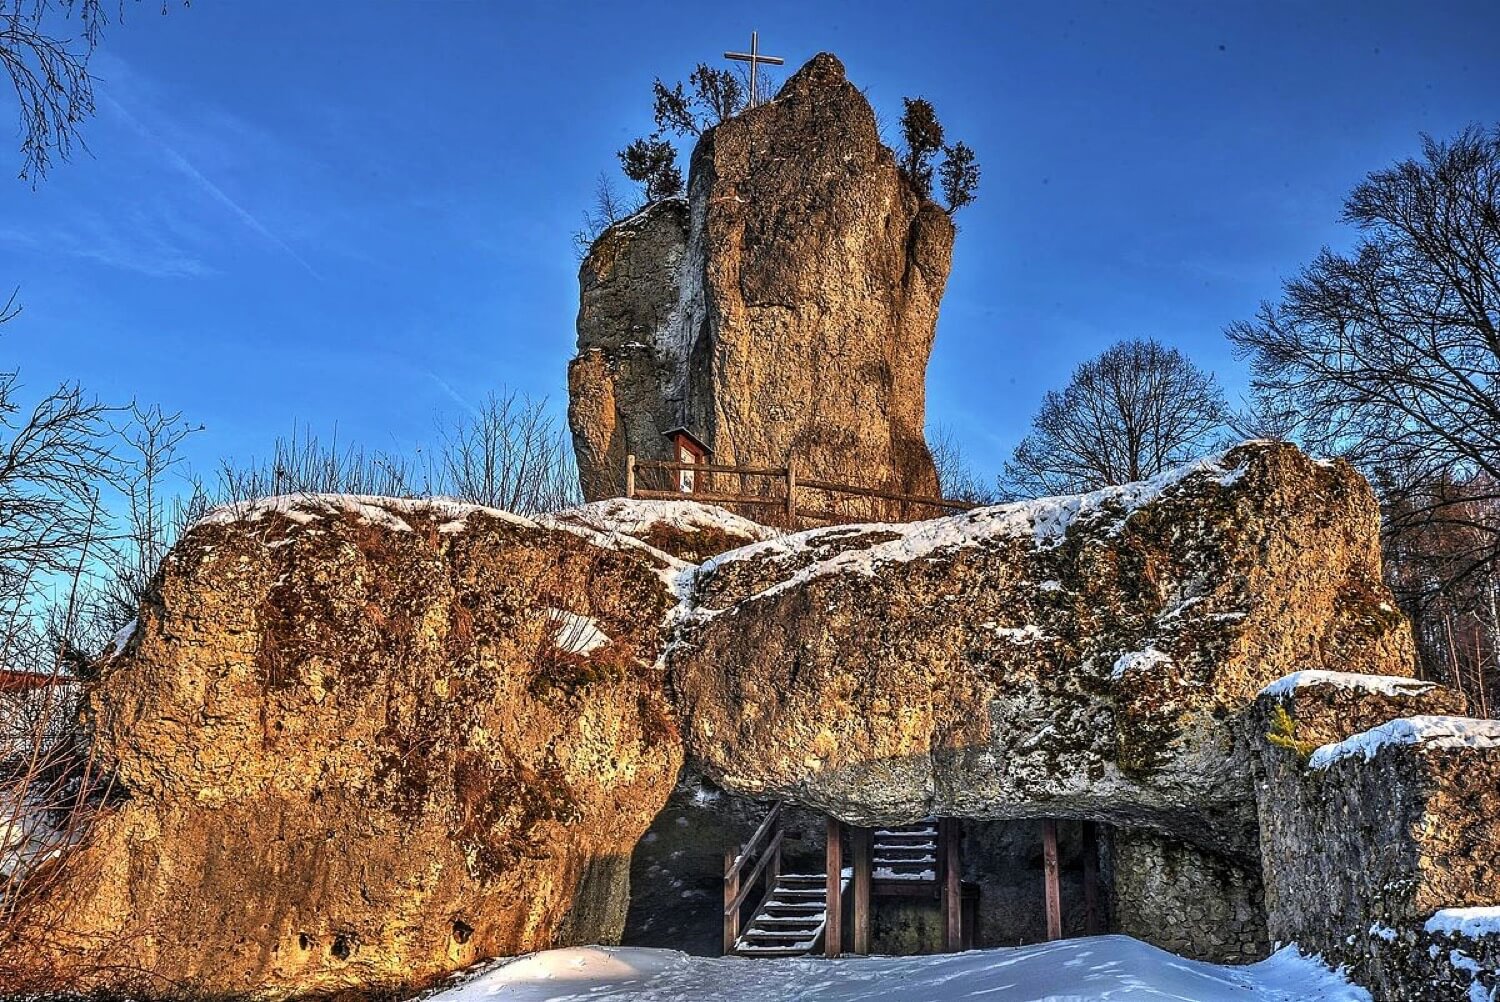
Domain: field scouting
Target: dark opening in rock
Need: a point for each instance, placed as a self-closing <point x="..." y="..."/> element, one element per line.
<point x="304" y="941"/>
<point x="462" y="931"/>
<point x="343" y="946"/>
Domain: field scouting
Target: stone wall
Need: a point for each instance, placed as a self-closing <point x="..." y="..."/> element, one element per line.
<point x="1193" y="903"/>
<point x="1363" y="839"/>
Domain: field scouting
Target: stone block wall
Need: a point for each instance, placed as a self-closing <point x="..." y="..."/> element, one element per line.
<point x="1175" y="896"/>
<point x="1366" y="836"/>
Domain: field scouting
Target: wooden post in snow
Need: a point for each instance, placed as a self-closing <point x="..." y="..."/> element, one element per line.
<point x="862" y="839"/>
<point x="833" y="923"/>
<point x="1091" y="923"/>
<point x="950" y="842"/>
<point x="731" y="891"/>
<point x="1050" y="878"/>
<point x="630" y="475"/>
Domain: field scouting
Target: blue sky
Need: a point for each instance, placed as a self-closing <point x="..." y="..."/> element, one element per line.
<point x="357" y="214"/>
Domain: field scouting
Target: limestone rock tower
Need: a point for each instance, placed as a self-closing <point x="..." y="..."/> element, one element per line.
<point x="785" y="308"/>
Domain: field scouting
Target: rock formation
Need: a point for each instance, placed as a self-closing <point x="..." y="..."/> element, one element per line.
<point x="1379" y="839"/>
<point x="1076" y="657"/>
<point x="785" y="308"/>
<point x="361" y="743"/>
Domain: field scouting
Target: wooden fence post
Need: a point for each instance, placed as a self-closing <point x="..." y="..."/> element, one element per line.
<point x="1050" y="879"/>
<point x="950" y="842"/>
<point x="791" y="491"/>
<point x="863" y="839"/>
<point x="630" y="475"/>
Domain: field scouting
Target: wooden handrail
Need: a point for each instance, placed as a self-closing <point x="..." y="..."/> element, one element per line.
<point x="750" y="846"/>
<point x="788" y="475"/>
<point x="748" y="471"/>
<point x="748" y="884"/>
<point x="870" y="492"/>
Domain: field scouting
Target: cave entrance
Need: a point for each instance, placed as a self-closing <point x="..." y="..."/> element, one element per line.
<point x="718" y="873"/>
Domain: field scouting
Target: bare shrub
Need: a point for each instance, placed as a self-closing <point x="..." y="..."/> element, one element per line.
<point x="510" y="453"/>
<point x="302" y="464"/>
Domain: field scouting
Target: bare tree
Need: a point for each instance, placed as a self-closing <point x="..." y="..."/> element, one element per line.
<point x="509" y="454"/>
<point x="1389" y="355"/>
<point x="609" y="208"/>
<point x="1136" y="410"/>
<point x="301" y="464"/>
<point x="49" y="73"/>
<point x="957" y="480"/>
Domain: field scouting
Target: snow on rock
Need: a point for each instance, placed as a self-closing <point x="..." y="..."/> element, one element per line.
<point x="382" y="511"/>
<point x="1140" y="661"/>
<point x="684" y="530"/>
<point x="1386" y="685"/>
<point x="1433" y="732"/>
<point x="577" y="634"/>
<point x="1045" y="522"/>
<point x="1114" y="968"/>
<point x="1470" y="922"/>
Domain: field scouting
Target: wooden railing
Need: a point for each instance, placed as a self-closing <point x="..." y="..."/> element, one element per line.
<point x="764" y="848"/>
<point x="786" y="500"/>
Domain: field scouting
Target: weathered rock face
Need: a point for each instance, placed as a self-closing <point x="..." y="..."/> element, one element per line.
<point x="787" y="308"/>
<point x="362" y="743"/>
<point x="1375" y="840"/>
<point x="1084" y="657"/>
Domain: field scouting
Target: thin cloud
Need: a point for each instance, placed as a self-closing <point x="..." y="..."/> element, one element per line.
<point x="452" y="394"/>
<point x="184" y="166"/>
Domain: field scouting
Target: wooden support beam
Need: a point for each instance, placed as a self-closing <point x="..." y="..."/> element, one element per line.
<point x="863" y="839"/>
<point x="731" y="894"/>
<point x="833" y="927"/>
<point x="1091" y="917"/>
<point x="630" y="475"/>
<point x="1050" y="879"/>
<point x="950" y="845"/>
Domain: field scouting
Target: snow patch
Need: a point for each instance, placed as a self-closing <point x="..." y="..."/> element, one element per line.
<point x="1468" y="922"/>
<point x="1092" y="969"/>
<point x="1432" y="732"/>
<point x="121" y="638"/>
<point x="634" y="517"/>
<point x="1140" y="661"/>
<point x="577" y="634"/>
<point x="1386" y="685"/>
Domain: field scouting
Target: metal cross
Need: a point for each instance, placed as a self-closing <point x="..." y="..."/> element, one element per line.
<point x="753" y="57"/>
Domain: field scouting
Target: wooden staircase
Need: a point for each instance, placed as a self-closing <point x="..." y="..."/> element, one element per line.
<point x="802" y="913"/>
<point x="792" y="919"/>
<point x="907" y="853"/>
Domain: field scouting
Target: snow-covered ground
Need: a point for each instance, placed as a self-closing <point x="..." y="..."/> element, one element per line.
<point x="1113" y="968"/>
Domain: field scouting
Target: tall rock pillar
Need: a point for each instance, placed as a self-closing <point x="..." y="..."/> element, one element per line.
<point x="785" y="309"/>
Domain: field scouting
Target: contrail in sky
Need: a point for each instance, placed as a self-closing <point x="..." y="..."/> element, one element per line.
<point x="218" y="194"/>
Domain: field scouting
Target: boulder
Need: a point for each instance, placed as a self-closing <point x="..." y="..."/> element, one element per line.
<point x="359" y="743"/>
<point x="1087" y="657"/>
<point x="785" y="309"/>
